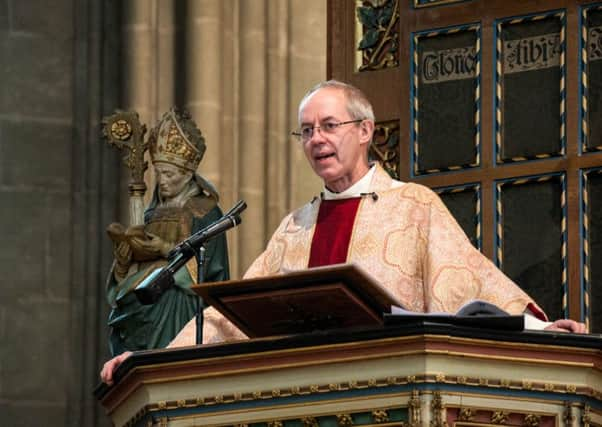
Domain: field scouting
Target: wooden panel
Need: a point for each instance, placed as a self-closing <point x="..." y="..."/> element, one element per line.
<point x="465" y="205"/>
<point x="549" y="118"/>
<point x="531" y="238"/>
<point x="445" y="97"/>
<point x="592" y="248"/>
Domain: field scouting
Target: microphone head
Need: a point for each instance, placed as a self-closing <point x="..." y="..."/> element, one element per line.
<point x="155" y="285"/>
<point x="240" y="206"/>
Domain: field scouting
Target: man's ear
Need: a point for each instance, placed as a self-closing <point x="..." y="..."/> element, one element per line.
<point x="366" y="131"/>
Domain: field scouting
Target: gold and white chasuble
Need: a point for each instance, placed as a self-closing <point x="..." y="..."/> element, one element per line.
<point x="407" y="240"/>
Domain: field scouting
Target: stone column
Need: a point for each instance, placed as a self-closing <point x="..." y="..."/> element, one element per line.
<point x="253" y="146"/>
<point x="240" y="69"/>
<point x="149" y="65"/>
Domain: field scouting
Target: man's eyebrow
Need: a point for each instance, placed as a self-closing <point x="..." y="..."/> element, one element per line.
<point x="324" y="119"/>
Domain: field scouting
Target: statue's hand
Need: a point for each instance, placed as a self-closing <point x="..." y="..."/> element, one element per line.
<point x="122" y="252"/>
<point x="152" y="246"/>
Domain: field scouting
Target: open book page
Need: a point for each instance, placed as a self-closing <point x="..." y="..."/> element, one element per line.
<point x="474" y="314"/>
<point x="471" y="308"/>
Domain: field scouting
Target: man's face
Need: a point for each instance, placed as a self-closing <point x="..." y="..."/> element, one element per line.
<point x="171" y="179"/>
<point x="339" y="158"/>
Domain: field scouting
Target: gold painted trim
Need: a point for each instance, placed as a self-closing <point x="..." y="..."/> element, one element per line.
<point x="427" y="352"/>
<point x="373" y="343"/>
<point x="418" y="5"/>
<point x="491" y="383"/>
<point x="411" y="396"/>
<point x="420" y="339"/>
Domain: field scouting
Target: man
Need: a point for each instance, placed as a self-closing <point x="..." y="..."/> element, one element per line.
<point x="401" y="233"/>
<point x="183" y="203"/>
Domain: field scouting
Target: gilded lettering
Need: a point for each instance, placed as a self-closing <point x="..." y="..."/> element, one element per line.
<point x="448" y="64"/>
<point x="532" y="53"/>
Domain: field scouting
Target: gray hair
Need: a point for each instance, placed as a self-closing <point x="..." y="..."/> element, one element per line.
<point x="358" y="106"/>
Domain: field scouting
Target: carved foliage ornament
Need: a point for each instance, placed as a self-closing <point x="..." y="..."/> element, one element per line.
<point x="385" y="146"/>
<point x="379" y="42"/>
<point x="124" y="131"/>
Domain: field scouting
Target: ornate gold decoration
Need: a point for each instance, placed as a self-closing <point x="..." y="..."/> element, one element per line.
<point x="586" y="418"/>
<point x="380" y="416"/>
<point x="378" y="21"/>
<point x="385" y="146"/>
<point x="414" y="409"/>
<point x="531" y="420"/>
<point x="466" y="414"/>
<point x="413" y="405"/>
<point x="241" y="425"/>
<point x="344" y="420"/>
<point x="310" y="422"/>
<point x="571" y="388"/>
<point x="124" y="131"/>
<point x="275" y="423"/>
<point x="499" y="417"/>
<point x="568" y="416"/>
<point x="440" y="377"/>
<point x="437" y="408"/>
<point x="527" y="385"/>
<point x="177" y="140"/>
<point x="121" y="130"/>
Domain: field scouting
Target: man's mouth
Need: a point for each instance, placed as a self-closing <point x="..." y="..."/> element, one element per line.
<point x="321" y="157"/>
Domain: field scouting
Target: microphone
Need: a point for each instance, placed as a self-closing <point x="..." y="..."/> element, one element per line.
<point x="229" y="220"/>
<point x="160" y="280"/>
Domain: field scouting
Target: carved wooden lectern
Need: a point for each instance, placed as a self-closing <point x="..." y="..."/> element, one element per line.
<point x="417" y="373"/>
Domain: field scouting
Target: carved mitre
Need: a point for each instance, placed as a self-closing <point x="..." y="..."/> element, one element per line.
<point x="177" y="140"/>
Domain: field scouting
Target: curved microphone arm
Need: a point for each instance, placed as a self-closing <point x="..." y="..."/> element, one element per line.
<point x="160" y="280"/>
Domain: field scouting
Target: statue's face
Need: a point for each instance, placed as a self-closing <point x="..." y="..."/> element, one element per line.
<point x="171" y="179"/>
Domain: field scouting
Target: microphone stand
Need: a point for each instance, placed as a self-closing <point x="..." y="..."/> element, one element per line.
<point x="200" y="262"/>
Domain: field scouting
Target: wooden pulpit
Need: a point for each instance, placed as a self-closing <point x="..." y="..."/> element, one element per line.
<point x="401" y="373"/>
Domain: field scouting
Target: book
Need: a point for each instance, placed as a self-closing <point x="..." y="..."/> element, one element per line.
<point x="474" y="313"/>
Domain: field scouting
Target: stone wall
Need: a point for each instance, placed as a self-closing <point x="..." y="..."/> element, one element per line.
<point x="57" y="189"/>
<point x="239" y="66"/>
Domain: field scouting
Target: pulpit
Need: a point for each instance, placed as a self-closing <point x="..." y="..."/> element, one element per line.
<point x="404" y="374"/>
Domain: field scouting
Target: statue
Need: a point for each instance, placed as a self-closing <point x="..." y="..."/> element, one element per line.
<point x="182" y="203"/>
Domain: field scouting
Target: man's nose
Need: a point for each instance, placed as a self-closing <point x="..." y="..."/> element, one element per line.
<point x="317" y="136"/>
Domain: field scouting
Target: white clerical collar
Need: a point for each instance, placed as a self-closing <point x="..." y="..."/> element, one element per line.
<point x="362" y="186"/>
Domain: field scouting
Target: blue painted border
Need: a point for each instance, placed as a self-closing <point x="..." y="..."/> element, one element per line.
<point x="474" y="26"/>
<point x="498" y="225"/>
<point x="497" y="77"/>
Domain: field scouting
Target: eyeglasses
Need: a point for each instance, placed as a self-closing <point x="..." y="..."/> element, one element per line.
<point x="305" y="133"/>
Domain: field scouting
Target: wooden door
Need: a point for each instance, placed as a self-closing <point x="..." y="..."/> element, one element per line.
<point x="497" y="105"/>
